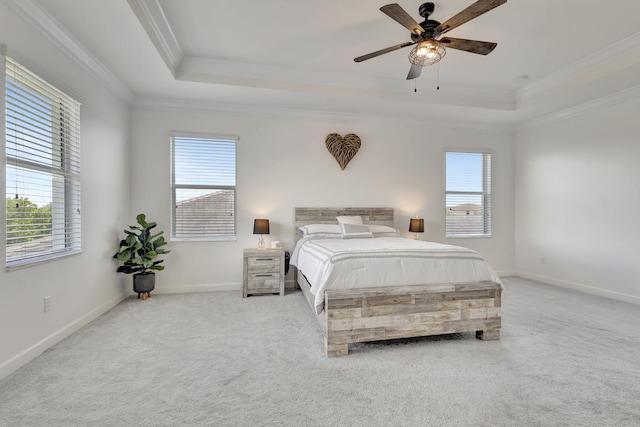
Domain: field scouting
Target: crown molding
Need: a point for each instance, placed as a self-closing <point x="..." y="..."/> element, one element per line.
<point x="267" y="111"/>
<point x="154" y="21"/>
<point x="583" y="108"/>
<point x="600" y="59"/>
<point x="39" y="19"/>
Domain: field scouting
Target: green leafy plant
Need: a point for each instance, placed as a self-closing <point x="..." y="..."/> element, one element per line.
<point x="140" y="249"/>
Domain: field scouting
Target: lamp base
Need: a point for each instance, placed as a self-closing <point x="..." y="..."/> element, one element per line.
<point x="261" y="243"/>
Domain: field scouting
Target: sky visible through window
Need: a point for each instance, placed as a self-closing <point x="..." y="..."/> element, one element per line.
<point x="193" y="159"/>
<point x="464" y="173"/>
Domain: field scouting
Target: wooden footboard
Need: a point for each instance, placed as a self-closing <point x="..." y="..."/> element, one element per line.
<point x="374" y="314"/>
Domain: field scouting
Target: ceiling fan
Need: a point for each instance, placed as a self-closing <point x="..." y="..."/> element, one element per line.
<point x="430" y="48"/>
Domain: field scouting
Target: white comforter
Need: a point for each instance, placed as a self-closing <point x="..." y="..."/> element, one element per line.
<point x="330" y="263"/>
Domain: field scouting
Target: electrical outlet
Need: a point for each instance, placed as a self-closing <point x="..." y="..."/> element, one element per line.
<point x="47" y="304"/>
<point x="543" y="260"/>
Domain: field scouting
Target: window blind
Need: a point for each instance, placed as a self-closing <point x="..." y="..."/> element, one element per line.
<point x="203" y="171"/>
<point x="468" y="194"/>
<point x="42" y="168"/>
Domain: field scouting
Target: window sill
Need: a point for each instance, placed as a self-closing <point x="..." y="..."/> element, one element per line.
<point x="20" y="264"/>
<point x="204" y="239"/>
<point x="469" y="236"/>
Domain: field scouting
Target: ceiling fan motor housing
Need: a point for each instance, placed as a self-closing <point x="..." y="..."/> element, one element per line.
<point x="426" y="9"/>
<point x="429" y="26"/>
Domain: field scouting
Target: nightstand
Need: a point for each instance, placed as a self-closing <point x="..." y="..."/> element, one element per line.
<point x="263" y="272"/>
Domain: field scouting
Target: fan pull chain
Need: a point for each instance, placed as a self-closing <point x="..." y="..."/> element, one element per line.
<point x="438" y="76"/>
<point x="415" y="85"/>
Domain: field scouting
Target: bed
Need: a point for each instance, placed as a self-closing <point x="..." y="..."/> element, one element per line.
<point x="446" y="298"/>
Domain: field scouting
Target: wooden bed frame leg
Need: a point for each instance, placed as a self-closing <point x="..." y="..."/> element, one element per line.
<point x="336" y="350"/>
<point x="488" y="335"/>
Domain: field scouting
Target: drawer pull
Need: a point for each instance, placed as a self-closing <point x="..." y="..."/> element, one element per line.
<point x="264" y="275"/>
<point x="264" y="259"/>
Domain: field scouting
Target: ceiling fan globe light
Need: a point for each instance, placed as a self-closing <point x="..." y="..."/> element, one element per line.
<point x="427" y="53"/>
<point x="422" y="52"/>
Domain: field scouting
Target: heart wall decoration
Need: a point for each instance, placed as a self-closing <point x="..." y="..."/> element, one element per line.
<point x="343" y="149"/>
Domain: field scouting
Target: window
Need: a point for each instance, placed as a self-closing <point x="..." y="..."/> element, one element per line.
<point x="42" y="149"/>
<point x="468" y="199"/>
<point x="203" y="187"/>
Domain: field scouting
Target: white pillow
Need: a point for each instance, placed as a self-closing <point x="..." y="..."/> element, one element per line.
<point x="355" y="231"/>
<point x="320" y="230"/>
<point x="383" y="230"/>
<point x="353" y="219"/>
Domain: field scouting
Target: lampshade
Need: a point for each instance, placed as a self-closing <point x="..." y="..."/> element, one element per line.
<point x="260" y="226"/>
<point x="416" y="225"/>
<point x="427" y="52"/>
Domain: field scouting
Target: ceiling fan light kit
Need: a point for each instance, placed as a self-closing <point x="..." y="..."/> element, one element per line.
<point x="427" y="52"/>
<point x="426" y="37"/>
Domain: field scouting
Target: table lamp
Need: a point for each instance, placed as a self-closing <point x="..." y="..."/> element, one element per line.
<point x="261" y="227"/>
<point x="416" y="225"/>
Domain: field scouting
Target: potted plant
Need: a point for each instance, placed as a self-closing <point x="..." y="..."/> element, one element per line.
<point x="139" y="254"/>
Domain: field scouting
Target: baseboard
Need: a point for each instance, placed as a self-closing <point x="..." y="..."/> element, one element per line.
<point x="580" y="287"/>
<point x="506" y="273"/>
<point x="209" y="287"/>
<point x="37" y="349"/>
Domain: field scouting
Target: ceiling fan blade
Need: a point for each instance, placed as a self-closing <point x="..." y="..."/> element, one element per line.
<point x="398" y="14"/>
<point x="414" y="72"/>
<point x="382" y="51"/>
<point x="473" y="46"/>
<point x="473" y="11"/>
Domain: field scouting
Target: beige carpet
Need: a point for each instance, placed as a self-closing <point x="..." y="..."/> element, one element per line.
<point x="215" y="359"/>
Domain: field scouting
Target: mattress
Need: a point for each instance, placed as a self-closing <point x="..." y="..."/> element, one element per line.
<point x="336" y="263"/>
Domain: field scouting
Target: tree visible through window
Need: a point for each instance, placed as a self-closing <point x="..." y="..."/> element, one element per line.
<point x="468" y="194"/>
<point x="203" y="171"/>
<point x="42" y="168"/>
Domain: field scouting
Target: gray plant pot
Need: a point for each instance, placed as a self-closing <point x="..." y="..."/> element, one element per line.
<point x="144" y="283"/>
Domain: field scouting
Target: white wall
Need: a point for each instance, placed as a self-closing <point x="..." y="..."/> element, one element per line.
<point x="283" y="163"/>
<point x="82" y="286"/>
<point x="578" y="201"/>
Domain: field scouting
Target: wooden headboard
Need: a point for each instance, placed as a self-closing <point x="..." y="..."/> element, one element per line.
<point x="305" y="216"/>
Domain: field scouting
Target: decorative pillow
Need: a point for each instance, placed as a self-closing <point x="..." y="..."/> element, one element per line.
<point x="383" y="230"/>
<point x="353" y="219"/>
<point x="320" y="230"/>
<point x="355" y="231"/>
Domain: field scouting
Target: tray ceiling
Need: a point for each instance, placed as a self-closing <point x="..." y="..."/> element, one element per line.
<point x="298" y="56"/>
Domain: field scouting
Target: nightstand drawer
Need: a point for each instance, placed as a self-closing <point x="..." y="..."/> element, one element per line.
<point x="265" y="281"/>
<point x="263" y="271"/>
<point x="263" y="264"/>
